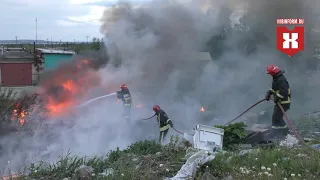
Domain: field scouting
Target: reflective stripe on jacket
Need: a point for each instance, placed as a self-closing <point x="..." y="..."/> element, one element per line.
<point x="163" y="120"/>
<point x="281" y="89"/>
<point x="279" y="127"/>
<point x="126" y="98"/>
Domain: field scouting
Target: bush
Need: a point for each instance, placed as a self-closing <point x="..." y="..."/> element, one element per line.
<point x="14" y="110"/>
<point x="139" y="148"/>
<point x="7" y="98"/>
<point x="233" y="134"/>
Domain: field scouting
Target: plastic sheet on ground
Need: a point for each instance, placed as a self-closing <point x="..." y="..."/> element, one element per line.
<point x="196" y="158"/>
<point x="315" y="146"/>
<point x="289" y="141"/>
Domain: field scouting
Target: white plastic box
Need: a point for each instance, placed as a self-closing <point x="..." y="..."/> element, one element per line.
<point x="208" y="137"/>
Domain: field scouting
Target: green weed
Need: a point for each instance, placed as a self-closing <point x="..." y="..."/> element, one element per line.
<point x="266" y="164"/>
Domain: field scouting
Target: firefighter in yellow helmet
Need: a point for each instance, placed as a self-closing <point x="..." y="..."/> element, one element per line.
<point x="164" y="121"/>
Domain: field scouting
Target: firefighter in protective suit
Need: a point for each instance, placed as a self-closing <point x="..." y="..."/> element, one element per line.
<point x="281" y="94"/>
<point x="164" y="121"/>
<point x="127" y="101"/>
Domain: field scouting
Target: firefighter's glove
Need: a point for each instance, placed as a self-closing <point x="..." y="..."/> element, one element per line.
<point x="268" y="95"/>
<point x="171" y="124"/>
<point x="118" y="94"/>
<point x="276" y="99"/>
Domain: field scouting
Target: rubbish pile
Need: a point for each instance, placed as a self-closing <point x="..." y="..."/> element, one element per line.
<point x="206" y="141"/>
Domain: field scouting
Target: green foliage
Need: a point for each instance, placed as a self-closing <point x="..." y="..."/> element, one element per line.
<point x="138" y="148"/>
<point x="233" y="134"/>
<point x="13" y="108"/>
<point x="7" y="98"/>
<point x="141" y="160"/>
<point x="65" y="167"/>
<point x="95" y="45"/>
<point x="266" y="164"/>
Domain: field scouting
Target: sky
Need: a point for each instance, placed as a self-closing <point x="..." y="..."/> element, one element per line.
<point x="66" y="20"/>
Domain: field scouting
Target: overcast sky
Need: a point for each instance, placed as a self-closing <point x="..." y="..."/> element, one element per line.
<point x="67" y="20"/>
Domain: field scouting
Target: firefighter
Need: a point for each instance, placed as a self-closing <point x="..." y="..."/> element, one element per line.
<point x="163" y="120"/>
<point x="127" y="101"/>
<point x="281" y="94"/>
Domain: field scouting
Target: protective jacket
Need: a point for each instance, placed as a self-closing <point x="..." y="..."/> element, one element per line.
<point x="280" y="89"/>
<point x="163" y="120"/>
<point x="126" y="98"/>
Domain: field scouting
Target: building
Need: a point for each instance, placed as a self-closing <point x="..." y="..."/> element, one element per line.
<point x="19" y="67"/>
<point x="53" y="58"/>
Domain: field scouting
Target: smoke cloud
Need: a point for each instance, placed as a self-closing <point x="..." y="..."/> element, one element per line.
<point x="154" y="48"/>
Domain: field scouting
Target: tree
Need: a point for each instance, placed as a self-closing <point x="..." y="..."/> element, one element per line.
<point x="95" y="45"/>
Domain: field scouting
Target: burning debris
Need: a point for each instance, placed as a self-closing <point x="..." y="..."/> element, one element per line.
<point x="22" y="108"/>
<point x="19" y="115"/>
<point x="67" y="86"/>
<point x="202" y="109"/>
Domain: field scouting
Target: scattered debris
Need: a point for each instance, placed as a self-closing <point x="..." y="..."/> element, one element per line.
<point x="189" y="169"/>
<point x="84" y="172"/>
<point x="316" y="146"/>
<point x="290" y="141"/>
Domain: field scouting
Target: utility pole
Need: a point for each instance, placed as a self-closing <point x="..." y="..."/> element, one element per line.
<point x="87" y="39"/>
<point x="36" y="31"/>
<point x="16" y="39"/>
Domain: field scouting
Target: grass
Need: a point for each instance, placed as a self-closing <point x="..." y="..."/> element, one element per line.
<point x="142" y="160"/>
<point x="271" y="164"/>
<point x="150" y="161"/>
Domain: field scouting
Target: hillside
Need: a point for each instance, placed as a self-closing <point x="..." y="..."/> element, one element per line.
<point x="149" y="160"/>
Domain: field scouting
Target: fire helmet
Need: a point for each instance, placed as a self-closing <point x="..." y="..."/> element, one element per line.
<point x="123" y="86"/>
<point x="273" y="69"/>
<point x="156" y="108"/>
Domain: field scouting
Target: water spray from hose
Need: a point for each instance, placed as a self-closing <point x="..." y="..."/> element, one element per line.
<point x="95" y="99"/>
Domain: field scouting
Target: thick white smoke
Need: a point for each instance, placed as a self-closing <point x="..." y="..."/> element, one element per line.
<point x="154" y="48"/>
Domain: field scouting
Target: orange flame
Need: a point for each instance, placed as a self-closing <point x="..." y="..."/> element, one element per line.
<point x="70" y="86"/>
<point x="71" y="89"/>
<point x="202" y="109"/>
<point x="20" y="116"/>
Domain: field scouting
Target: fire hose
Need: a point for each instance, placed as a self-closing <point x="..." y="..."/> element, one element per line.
<point x="147" y="118"/>
<point x="177" y="130"/>
<point x="290" y="125"/>
<point x="171" y="127"/>
<point x="246" y="111"/>
<point x="285" y="115"/>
